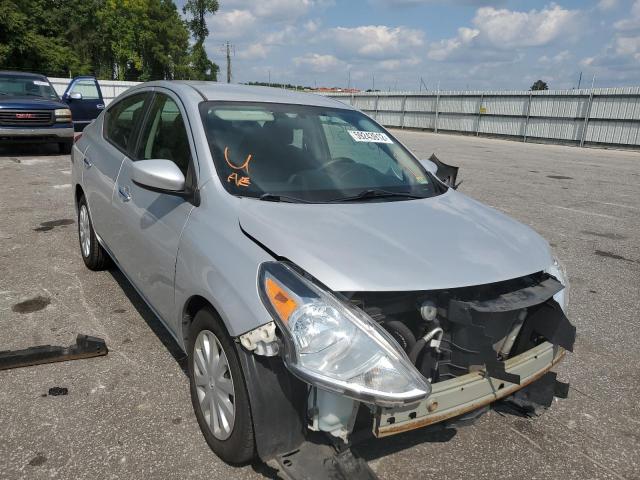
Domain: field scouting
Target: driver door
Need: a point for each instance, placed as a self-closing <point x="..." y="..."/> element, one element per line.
<point x="151" y="222"/>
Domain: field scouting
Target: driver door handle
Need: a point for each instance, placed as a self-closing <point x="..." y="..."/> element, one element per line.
<point x="124" y="193"/>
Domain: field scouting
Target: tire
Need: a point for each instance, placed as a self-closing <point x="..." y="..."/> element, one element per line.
<point x="65" y="148"/>
<point x="95" y="257"/>
<point x="233" y="441"/>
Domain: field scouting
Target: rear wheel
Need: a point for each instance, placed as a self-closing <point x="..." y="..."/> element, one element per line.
<point x="94" y="256"/>
<point x="218" y="392"/>
<point x="65" y="148"/>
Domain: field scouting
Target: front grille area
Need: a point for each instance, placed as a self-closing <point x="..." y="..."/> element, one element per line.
<point x="475" y="328"/>
<point x="26" y="118"/>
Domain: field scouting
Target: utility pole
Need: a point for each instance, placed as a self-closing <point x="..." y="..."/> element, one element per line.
<point x="269" y="77"/>
<point x="373" y="82"/>
<point x="228" y="45"/>
<point x="579" y="80"/>
<point x="349" y="81"/>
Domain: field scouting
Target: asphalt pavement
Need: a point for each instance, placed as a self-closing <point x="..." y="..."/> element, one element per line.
<point x="128" y="415"/>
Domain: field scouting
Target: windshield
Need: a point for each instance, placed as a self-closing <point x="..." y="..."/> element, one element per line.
<point x="313" y="154"/>
<point x="26" y="86"/>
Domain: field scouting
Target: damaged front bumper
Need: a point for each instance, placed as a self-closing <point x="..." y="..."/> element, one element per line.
<point x="463" y="394"/>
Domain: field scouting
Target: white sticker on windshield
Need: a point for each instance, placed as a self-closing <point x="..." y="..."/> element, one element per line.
<point x="41" y="83"/>
<point x="372" y="137"/>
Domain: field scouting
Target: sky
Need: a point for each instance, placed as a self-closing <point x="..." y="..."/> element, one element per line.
<point x="454" y="44"/>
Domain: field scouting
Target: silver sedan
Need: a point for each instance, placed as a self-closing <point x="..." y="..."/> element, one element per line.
<point x="320" y="277"/>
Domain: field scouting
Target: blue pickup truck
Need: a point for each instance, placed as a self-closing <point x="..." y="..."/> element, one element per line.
<point x="32" y="112"/>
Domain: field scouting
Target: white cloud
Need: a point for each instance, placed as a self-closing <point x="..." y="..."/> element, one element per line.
<point x="447" y="48"/>
<point x="607" y="4"/>
<point x="497" y="32"/>
<point x="632" y="22"/>
<point x="375" y="41"/>
<point x="320" y="63"/>
<point x="558" y="59"/>
<point x="508" y="29"/>
<point x="273" y="9"/>
<point x="254" y="51"/>
<point x="619" y="60"/>
<point x="411" y="3"/>
<point x="232" y="24"/>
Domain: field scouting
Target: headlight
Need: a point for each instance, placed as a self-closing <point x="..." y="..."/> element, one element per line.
<point x="557" y="270"/>
<point x="63" y="115"/>
<point x="336" y="346"/>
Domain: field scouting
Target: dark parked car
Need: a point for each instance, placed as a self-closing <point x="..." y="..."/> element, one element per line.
<point x="32" y="112"/>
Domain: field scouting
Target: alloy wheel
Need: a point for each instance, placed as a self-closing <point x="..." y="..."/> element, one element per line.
<point x="84" y="227"/>
<point x="214" y="384"/>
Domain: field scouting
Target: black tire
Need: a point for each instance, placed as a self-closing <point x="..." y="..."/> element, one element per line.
<point x="239" y="447"/>
<point x="65" y="148"/>
<point x="96" y="258"/>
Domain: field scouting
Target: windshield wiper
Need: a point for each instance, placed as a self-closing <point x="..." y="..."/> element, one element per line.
<point x="272" y="197"/>
<point x="376" y="193"/>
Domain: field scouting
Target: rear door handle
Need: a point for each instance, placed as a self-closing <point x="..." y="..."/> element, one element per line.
<point x="100" y="106"/>
<point x="86" y="162"/>
<point x="124" y="193"/>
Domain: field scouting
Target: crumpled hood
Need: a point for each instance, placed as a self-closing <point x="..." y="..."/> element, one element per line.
<point x="446" y="241"/>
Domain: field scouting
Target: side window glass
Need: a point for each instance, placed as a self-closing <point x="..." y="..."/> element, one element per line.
<point x="87" y="88"/>
<point x="164" y="135"/>
<point x="122" y="119"/>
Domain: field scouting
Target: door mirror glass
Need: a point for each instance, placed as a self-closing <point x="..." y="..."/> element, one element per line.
<point x="75" y="96"/>
<point x="163" y="175"/>
<point x="429" y="166"/>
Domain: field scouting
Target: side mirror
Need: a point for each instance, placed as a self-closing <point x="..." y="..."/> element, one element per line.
<point x="430" y="166"/>
<point x="446" y="173"/>
<point x="158" y="175"/>
<point x="75" y="96"/>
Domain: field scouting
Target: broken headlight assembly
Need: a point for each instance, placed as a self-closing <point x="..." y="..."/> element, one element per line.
<point x="557" y="270"/>
<point x="335" y="346"/>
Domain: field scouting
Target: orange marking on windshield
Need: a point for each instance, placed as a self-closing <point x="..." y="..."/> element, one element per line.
<point x="244" y="166"/>
<point x="238" y="180"/>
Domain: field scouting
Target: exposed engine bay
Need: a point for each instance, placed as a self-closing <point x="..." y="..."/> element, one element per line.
<point x="448" y="333"/>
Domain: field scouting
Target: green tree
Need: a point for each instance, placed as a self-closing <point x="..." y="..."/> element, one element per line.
<point x="196" y="12"/>
<point x="540" y="85"/>
<point x="118" y="39"/>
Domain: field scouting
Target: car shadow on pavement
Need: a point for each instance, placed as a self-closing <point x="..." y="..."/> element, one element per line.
<point x="171" y="345"/>
<point x="369" y="448"/>
<point x="152" y="320"/>
<point x="374" y="448"/>
<point x="28" y="150"/>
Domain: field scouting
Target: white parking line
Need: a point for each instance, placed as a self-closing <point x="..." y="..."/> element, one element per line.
<point x="587" y="212"/>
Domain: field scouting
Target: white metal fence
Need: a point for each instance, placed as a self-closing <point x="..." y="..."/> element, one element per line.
<point x="600" y="116"/>
<point x="110" y="88"/>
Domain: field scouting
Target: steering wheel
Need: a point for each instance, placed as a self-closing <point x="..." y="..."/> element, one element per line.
<point x="340" y="166"/>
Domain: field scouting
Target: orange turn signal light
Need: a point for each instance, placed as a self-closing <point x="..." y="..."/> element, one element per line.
<point x="280" y="300"/>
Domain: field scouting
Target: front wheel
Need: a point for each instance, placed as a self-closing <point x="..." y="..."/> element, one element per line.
<point x="94" y="256"/>
<point x="218" y="392"/>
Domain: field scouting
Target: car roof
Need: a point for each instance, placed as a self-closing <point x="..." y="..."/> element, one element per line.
<point x="217" y="91"/>
<point x="21" y="74"/>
